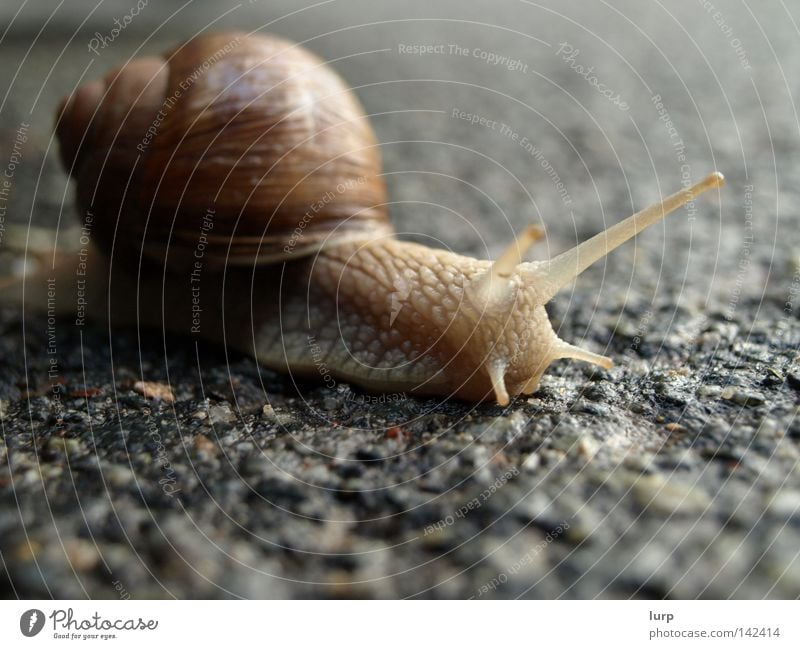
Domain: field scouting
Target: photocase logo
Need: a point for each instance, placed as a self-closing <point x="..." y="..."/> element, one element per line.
<point x="31" y="622"/>
<point x="402" y="290"/>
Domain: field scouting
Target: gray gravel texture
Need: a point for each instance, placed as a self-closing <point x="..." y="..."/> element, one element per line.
<point x="674" y="474"/>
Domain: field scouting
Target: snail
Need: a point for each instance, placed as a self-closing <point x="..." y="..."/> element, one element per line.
<point x="232" y="189"/>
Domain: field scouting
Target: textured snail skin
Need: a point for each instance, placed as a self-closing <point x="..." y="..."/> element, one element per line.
<point x="265" y="132"/>
<point x="441" y="340"/>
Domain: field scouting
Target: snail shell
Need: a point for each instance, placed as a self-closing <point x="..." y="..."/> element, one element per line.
<point x="250" y="130"/>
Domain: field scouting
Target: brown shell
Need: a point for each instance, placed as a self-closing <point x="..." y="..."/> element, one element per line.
<point x="239" y="147"/>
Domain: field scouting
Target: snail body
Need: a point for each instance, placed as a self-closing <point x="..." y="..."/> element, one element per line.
<point x="293" y="270"/>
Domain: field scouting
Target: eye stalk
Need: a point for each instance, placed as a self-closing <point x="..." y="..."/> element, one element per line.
<point x="562" y="269"/>
<point x="511" y="283"/>
<point x="493" y="288"/>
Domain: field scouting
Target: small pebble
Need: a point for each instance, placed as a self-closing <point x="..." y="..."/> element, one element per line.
<point x="66" y="446"/>
<point x="439" y="538"/>
<point x="590" y="408"/>
<point x="221" y="414"/>
<point x="275" y="416"/>
<point x="598" y="392"/>
<point x="710" y="391"/>
<point x="587" y="447"/>
<point x="153" y="390"/>
<point x="785" y="504"/>
<point x="393" y="432"/>
<point x="772" y="377"/>
<point x="742" y="397"/>
<point x="205" y="445"/>
<point x="653" y="492"/>
<point x="26" y="551"/>
<point x="532" y="462"/>
<point x="81" y="554"/>
<point x="118" y="476"/>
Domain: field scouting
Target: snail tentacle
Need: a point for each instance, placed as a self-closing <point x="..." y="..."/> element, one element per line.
<point x="568" y="265"/>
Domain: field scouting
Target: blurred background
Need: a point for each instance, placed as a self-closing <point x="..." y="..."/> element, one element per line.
<point x="722" y="75"/>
